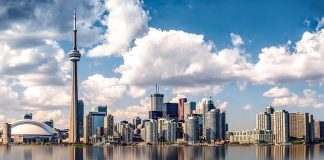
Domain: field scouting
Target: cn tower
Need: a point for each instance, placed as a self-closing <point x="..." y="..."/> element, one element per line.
<point x="74" y="57"/>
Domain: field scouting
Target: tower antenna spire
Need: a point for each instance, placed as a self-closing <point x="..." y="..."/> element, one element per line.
<point x="74" y="32"/>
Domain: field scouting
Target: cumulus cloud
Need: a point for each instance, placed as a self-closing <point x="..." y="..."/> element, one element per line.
<point x="184" y="60"/>
<point x="320" y="24"/>
<point x="310" y="98"/>
<point x="57" y="116"/>
<point x="278" y="64"/>
<point x="277" y="92"/>
<point x="126" y="21"/>
<point x="222" y="105"/>
<point x="140" y="110"/>
<point x="98" y="89"/>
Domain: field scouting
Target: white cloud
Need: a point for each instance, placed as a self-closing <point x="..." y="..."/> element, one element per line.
<point x="236" y="40"/>
<point x="98" y="89"/>
<point x="177" y="97"/>
<point x="277" y="92"/>
<point x="247" y="107"/>
<point x="57" y="116"/>
<point x="140" y="110"/>
<point x="44" y="96"/>
<point x="198" y="90"/>
<point x="278" y="64"/>
<point x="185" y="60"/>
<point x="126" y="21"/>
<point x="309" y="99"/>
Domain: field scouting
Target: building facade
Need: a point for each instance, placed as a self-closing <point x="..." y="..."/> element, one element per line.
<point x="192" y="129"/>
<point x="151" y="132"/>
<point x="182" y="101"/>
<point x="188" y="109"/>
<point x="109" y="125"/>
<point x="170" y="111"/>
<point x="252" y="137"/>
<point x="281" y="127"/>
<point x="263" y="121"/>
<point x="80" y="116"/>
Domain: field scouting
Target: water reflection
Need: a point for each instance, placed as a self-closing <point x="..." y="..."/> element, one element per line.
<point x="300" y="152"/>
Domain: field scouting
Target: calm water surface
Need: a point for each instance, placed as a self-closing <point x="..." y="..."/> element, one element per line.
<point x="294" y="152"/>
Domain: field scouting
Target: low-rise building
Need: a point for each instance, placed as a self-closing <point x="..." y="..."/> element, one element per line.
<point x="252" y="137"/>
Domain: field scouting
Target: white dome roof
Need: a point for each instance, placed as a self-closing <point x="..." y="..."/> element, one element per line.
<point x="30" y="127"/>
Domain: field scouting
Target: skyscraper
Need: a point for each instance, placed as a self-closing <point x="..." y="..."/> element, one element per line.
<point x="102" y="109"/>
<point x="215" y="125"/>
<point x="151" y="131"/>
<point x="92" y="121"/>
<point x="281" y="126"/>
<point x="263" y="121"/>
<point x="192" y="129"/>
<point x="299" y="126"/>
<point x="188" y="108"/>
<point x="181" y="108"/>
<point x="136" y="121"/>
<point x="269" y="110"/>
<point x="157" y="100"/>
<point x="109" y="125"/>
<point x="74" y="57"/>
<point x="170" y="110"/>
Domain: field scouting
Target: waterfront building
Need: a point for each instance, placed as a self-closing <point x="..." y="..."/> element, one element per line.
<point x="319" y="130"/>
<point x="252" y="137"/>
<point x="188" y="108"/>
<point x="50" y="123"/>
<point x="109" y="125"/>
<point x="263" y="121"/>
<point x="6" y="133"/>
<point x="204" y="106"/>
<point x="74" y="57"/>
<point x="127" y="133"/>
<point x="170" y="110"/>
<point x="28" y="131"/>
<point x="136" y="121"/>
<point x="151" y="131"/>
<point x="299" y="126"/>
<point x="157" y="100"/>
<point x="28" y="116"/>
<point x="191" y="133"/>
<point x="215" y="125"/>
<point x="167" y="130"/>
<point x="281" y="127"/>
<point x="80" y="116"/>
<point x="182" y="101"/>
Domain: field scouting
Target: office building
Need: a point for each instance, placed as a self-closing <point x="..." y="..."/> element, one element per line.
<point x="281" y="127"/>
<point x="263" y="121"/>
<point x="252" y="137"/>
<point x="299" y="126"/>
<point x="170" y="110"/>
<point x="6" y="133"/>
<point x="204" y="106"/>
<point x="127" y="133"/>
<point x="319" y="130"/>
<point x="167" y="130"/>
<point x="215" y="125"/>
<point x="136" y="121"/>
<point x="157" y="100"/>
<point x="151" y="131"/>
<point x="92" y="121"/>
<point x="188" y="107"/>
<point x="191" y="133"/>
<point x="155" y="115"/>
<point x="109" y="125"/>
<point x="182" y="101"/>
<point x="101" y="109"/>
<point x="74" y="57"/>
<point x="80" y="116"/>
<point x="28" y="116"/>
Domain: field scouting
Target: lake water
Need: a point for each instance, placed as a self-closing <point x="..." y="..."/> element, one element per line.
<point x="293" y="152"/>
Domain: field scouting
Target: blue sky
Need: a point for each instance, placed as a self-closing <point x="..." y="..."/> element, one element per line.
<point x="246" y="55"/>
